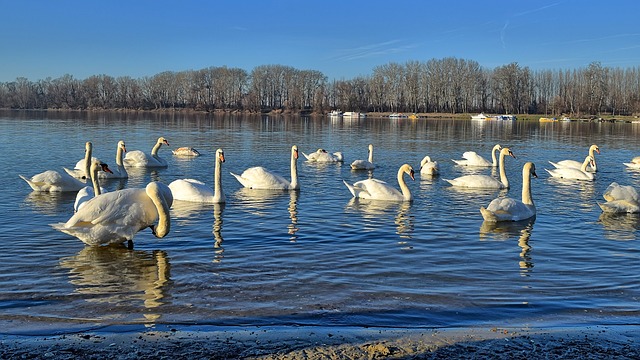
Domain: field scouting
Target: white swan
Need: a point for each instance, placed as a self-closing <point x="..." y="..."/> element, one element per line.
<point x="577" y="164"/>
<point x="139" y="158"/>
<point x="82" y="169"/>
<point x="485" y="181"/>
<point x="428" y="167"/>
<point x="88" y="192"/>
<point x="54" y="181"/>
<point x="116" y="217"/>
<point x="634" y="164"/>
<point x="364" y="164"/>
<point x="471" y="158"/>
<point x="197" y="191"/>
<point x="379" y="190"/>
<point x="185" y="151"/>
<point x="620" y="199"/>
<point x="574" y="174"/>
<point x="261" y="178"/>
<point x="508" y="209"/>
<point x="321" y="155"/>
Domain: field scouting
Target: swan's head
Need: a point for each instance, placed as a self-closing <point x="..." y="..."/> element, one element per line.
<point x="88" y="146"/>
<point x="425" y="160"/>
<point x="338" y="155"/>
<point x="294" y="151"/>
<point x="595" y="148"/>
<point x="370" y="147"/>
<point x="529" y="168"/>
<point x="220" y="155"/>
<point x="122" y="146"/>
<point x="320" y="151"/>
<point x="96" y="166"/>
<point x="162" y="140"/>
<point x="407" y="169"/>
<point x="507" y="151"/>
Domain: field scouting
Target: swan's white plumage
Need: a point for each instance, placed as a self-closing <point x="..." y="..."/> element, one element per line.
<point x="429" y="167"/>
<point x="508" y="209"/>
<point x="117" y="216"/>
<point x="89" y="192"/>
<point x="574" y="164"/>
<point x="185" y="151"/>
<point x="321" y="155"/>
<point x="634" y="164"/>
<point x="364" y="164"/>
<point x="53" y="181"/>
<point x="620" y="199"/>
<point x="471" y="158"/>
<point x="81" y="170"/>
<point x="485" y="181"/>
<point x="375" y="189"/>
<point x="574" y="174"/>
<point x="196" y="191"/>
<point x="260" y="178"/>
<point x="139" y="158"/>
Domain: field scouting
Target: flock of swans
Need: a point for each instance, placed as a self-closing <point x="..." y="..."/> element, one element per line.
<point x="102" y="217"/>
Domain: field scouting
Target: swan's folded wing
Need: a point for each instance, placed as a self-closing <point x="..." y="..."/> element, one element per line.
<point x="620" y="206"/>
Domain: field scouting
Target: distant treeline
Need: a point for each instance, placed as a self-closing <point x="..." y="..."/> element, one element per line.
<point x="448" y="85"/>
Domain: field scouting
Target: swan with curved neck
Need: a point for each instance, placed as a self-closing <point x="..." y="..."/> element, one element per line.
<point x="593" y="149"/>
<point x="260" y="178"/>
<point x="485" y="181"/>
<point x="120" y="172"/>
<point x="508" y="209"/>
<point x="322" y="155"/>
<point x="55" y="181"/>
<point x="116" y="217"/>
<point x="87" y="193"/>
<point x="197" y="191"/>
<point x="139" y="158"/>
<point x="429" y="167"/>
<point x="364" y="164"/>
<point x="471" y="158"/>
<point x="379" y="190"/>
<point x="574" y="174"/>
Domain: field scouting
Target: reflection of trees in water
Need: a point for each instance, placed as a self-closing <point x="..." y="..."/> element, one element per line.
<point x="621" y="227"/>
<point x="374" y="210"/>
<point x="508" y="230"/>
<point x="118" y="276"/>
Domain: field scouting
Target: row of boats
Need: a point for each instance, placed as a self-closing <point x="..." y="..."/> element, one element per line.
<point x="482" y="116"/>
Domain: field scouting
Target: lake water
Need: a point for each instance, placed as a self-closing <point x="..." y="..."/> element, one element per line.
<point x="316" y="257"/>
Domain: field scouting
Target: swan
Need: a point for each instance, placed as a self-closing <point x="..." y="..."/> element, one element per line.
<point x="508" y="209"/>
<point x="634" y="164"/>
<point x="261" y="178"/>
<point x="185" y="151"/>
<point x="139" y="158"/>
<point x="82" y="169"/>
<point x="576" y="164"/>
<point x="364" y="164"/>
<point x="471" y="158"/>
<point x="54" y="181"/>
<point x="379" y="190"/>
<point x="89" y="192"/>
<point x="196" y="191"/>
<point x="620" y="199"/>
<point x="428" y="167"/>
<point x="574" y="174"/>
<point x="485" y="181"/>
<point x="321" y="155"/>
<point x="116" y="217"/>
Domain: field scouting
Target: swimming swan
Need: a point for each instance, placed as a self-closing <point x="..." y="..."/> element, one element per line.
<point x="576" y="164"/>
<point x="260" y="178"/>
<point x="321" y="155"/>
<point x="471" y="158"/>
<point x="485" y="181"/>
<point x="574" y="174"/>
<point x="428" y="167"/>
<point x="620" y="199"/>
<point x="116" y="217"/>
<point x="508" y="209"/>
<point x="88" y="192"/>
<point x="54" y="181"/>
<point x="197" y="191"/>
<point x="185" y="151"/>
<point x="379" y="190"/>
<point x="139" y="158"/>
<point x="634" y="164"/>
<point x="364" y="164"/>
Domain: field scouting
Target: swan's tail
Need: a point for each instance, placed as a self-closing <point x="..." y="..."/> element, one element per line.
<point x="31" y="183"/>
<point x="460" y="162"/>
<point x="351" y="188"/>
<point x="488" y="215"/>
<point x="305" y="155"/>
<point x="452" y="182"/>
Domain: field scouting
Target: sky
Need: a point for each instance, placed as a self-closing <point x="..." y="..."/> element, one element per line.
<point x="343" y="39"/>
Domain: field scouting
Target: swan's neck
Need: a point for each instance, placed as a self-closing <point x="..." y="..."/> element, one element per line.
<point x="218" y="195"/>
<point x="371" y="155"/>
<point x="119" y="156"/>
<point x="154" y="151"/>
<point x="95" y="181"/>
<point x="585" y="164"/>
<point x="294" y="173"/>
<point x="494" y="161"/>
<point x="503" y="172"/>
<point x="406" y="193"/>
<point x="593" y="155"/>
<point x="160" y="202"/>
<point x="87" y="163"/>
<point x="526" y="187"/>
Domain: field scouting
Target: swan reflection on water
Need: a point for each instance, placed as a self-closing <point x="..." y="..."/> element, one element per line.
<point x="51" y="203"/>
<point x="503" y="230"/>
<point x="218" y="209"/>
<point x="293" y="215"/>
<point x="621" y="227"/>
<point x="374" y="210"/>
<point x="116" y="276"/>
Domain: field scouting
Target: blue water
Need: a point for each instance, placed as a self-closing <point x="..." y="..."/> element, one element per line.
<point x="317" y="257"/>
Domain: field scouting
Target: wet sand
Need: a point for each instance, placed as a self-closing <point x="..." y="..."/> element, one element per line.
<point x="620" y="342"/>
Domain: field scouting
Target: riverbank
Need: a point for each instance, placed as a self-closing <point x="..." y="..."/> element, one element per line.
<point x="598" y="342"/>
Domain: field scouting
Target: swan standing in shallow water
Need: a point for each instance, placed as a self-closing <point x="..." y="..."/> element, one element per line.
<point x="185" y="151"/>
<point x="116" y="217"/>
<point x="260" y="178"/>
<point x="485" y="181"/>
<point x="379" y="190"/>
<point x="197" y="191"/>
<point x="574" y="174"/>
<point x="321" y="155"/>
<point x="139" y="158"/>
<point x="508" y="209"/>
<point x="364" y="164"/>
<point x="634" y="164"/>
<point x="620" y="199"/>
<point x="87" y="193"/>
<point x="576" y="164"/>
<point x="471" y="158"/>
<point x="428" y="167"/>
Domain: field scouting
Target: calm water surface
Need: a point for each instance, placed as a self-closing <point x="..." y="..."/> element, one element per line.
<point x="316" y="257"/>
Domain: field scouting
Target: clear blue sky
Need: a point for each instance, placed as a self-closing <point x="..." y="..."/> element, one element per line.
<point x="341" y="38"/>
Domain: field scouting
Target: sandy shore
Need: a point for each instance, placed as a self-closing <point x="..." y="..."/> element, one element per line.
<point x="333" y="343"/>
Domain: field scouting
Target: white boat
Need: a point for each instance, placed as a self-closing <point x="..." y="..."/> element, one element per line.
<point x="353" y="114"/>
<point x="504" y="117"/>
<point x="335" y="113"/>
<point x="397" y="115"/>
<point x="480" y="116"/>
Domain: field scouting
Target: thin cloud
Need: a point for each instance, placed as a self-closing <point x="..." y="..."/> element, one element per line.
<point x="527" y="12"/>
<point x="374" y="50"/>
